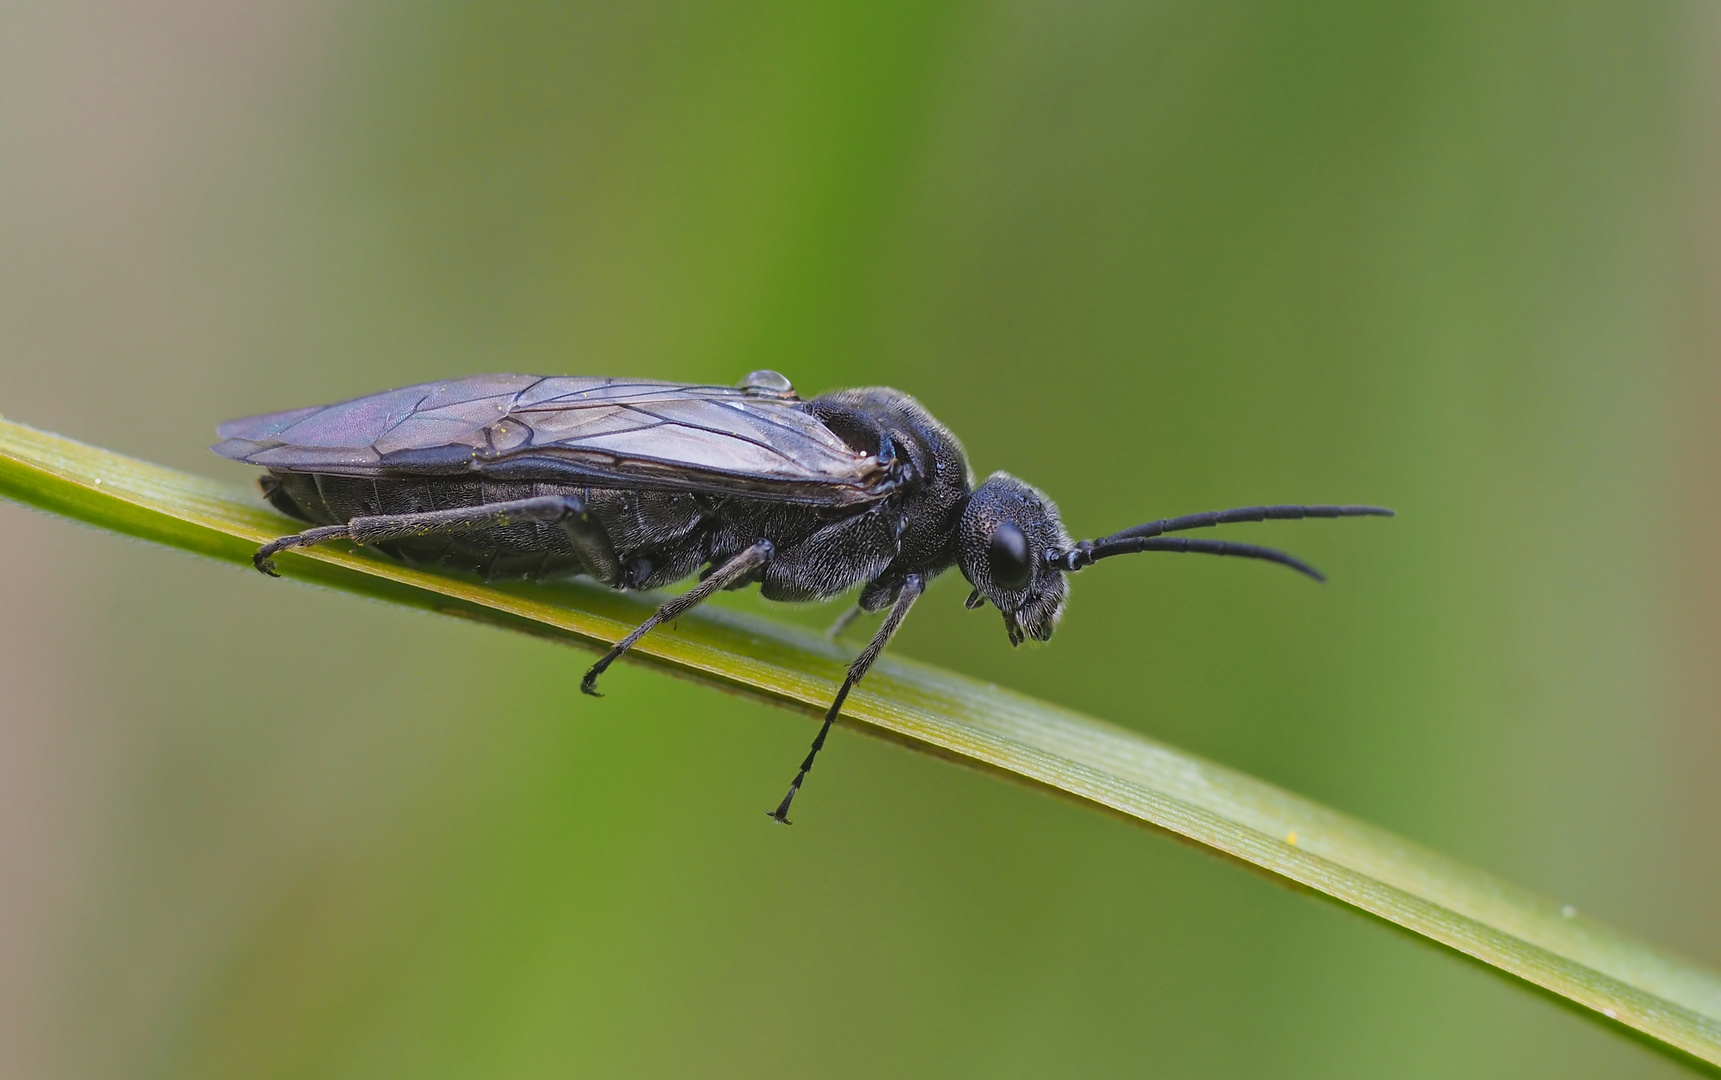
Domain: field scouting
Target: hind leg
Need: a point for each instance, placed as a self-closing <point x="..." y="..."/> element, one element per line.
<point x="567" y="510"/>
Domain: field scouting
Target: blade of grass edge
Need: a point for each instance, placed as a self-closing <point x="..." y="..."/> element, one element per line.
<point x="1668" y="1002"/>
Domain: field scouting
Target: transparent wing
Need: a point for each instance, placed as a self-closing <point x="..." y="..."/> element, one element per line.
<point x="604" y="432"/>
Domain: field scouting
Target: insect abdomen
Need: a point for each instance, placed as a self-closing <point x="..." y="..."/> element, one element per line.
<point x="658" y="537"/>
<point x="528" y="549"/>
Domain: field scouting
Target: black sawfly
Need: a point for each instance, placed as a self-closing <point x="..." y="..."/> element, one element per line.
<point x="639" y="484"/>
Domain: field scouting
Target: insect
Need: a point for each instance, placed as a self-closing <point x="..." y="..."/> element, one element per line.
<point x="639" y="484"/>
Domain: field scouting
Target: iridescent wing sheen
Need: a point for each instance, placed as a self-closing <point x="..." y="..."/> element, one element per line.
<point x="618" y="433"/>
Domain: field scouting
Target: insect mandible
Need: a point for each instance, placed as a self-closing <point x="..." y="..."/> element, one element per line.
<point x="639" y="484"/>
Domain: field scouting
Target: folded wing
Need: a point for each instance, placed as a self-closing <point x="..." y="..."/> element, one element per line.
<point x="595" y="431"/>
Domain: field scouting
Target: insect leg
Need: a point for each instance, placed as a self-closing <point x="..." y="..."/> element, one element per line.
<point x="383" y="528"/>
<point x="264" y="558"/>
<point x="844" y="621"/>
<point x="593" y="546"/>
<point x="728" y="574"/>
<point x="912" y="586"/>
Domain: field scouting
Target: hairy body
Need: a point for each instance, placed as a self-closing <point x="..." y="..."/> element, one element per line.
<point x="639" y="484"/>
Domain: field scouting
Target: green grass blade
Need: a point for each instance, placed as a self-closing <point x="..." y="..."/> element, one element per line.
<point x="1670" y="1001"/>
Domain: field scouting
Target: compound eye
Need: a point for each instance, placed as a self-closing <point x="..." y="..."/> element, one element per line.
<point x="1007" y="558"/>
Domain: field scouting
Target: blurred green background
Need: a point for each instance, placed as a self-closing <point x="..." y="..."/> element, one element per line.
<point x="1156" y="257"/>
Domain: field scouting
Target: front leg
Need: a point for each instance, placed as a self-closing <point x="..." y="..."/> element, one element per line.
<point x="912" y="586"/>
<point x="844" y="621"/>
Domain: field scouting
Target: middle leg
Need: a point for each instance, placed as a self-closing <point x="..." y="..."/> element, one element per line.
<point x="736" y="569"/>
